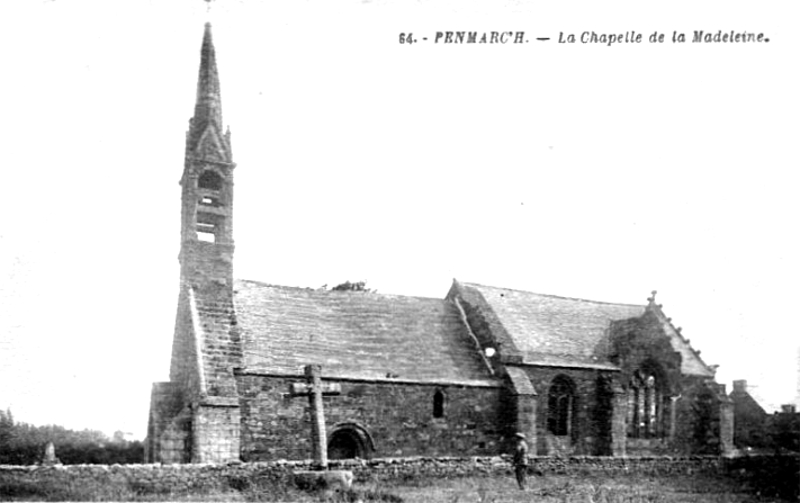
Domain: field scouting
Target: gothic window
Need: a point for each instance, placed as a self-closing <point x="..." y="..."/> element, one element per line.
<point x="560" y="406"/>
<point x="438" y="404"/>
<point x="645" y="405"/>
<point x="210" y="180"/>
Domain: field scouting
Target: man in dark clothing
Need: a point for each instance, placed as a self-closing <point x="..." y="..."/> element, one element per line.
<point x="521" y="460"/>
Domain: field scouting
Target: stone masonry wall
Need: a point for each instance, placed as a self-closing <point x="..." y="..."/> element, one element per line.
<point x="697" y="419"/>
<point x="165" y="405"/>
<point x="174" y="443"/>
<point x="176" y="479"/>
<point x="698" y="425"/>
<point x="591" y="429"/>
<point x="183" y="372"/>
<point x="397" y="417"/>
<point x="216" y="434"/>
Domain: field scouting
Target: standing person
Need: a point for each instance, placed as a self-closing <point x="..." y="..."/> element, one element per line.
<point x="521" y="460"/>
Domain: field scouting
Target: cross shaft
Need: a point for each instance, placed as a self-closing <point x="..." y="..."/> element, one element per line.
<point x="314" y="389"/>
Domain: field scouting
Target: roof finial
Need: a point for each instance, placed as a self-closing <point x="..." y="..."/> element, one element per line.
<point x="652" y="299"/>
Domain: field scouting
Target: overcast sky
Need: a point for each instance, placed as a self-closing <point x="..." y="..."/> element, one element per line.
<point x="577" y="170"/>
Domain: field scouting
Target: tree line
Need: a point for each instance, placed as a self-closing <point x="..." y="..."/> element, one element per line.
<point x="24" y="444"/>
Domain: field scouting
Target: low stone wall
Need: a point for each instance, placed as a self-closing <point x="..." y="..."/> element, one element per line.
<point x="167" y="479"/>
<point x="157" y="479"/>
<point x="394" y="469"/>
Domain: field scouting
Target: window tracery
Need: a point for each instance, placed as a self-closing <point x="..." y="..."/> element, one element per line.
<point x="560" y="405"/>
<point x="645" y="405"/>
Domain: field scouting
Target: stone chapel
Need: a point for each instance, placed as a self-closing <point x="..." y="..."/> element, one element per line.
<point x="454" y="376"/>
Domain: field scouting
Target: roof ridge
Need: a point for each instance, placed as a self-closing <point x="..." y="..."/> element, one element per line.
<point x="336" y="292"/>
<point x="554" y="296"/>
<point x="271" y="285"/>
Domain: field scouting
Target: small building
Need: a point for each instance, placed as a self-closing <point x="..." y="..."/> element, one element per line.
<point x="750" y="429"/>
<point x="784" y="429"/>
<point x="458" y="375"/>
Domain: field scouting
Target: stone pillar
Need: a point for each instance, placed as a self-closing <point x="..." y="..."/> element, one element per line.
<point x="319" y="441"/>
<point x="673" y="417"/>
<point x="726" y="425"/>
<point x="619" y="432"/>
<point x="526" y="420"/>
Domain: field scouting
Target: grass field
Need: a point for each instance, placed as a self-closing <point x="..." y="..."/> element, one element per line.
<point x="549" y="488"/>
<point x="563" y="488"/>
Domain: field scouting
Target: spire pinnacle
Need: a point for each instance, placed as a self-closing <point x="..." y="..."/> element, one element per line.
<point x="208" y="107"/>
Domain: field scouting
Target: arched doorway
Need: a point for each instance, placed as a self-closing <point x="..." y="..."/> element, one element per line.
<point x="349" y="441"/>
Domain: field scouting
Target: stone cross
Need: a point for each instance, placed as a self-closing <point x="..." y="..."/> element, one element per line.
<point x="314" y="389"/>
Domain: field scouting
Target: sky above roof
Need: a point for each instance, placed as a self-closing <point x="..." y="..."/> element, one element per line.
<point x="576" y="170"/>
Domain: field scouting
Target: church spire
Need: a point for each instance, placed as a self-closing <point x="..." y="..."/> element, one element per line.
<point x="207" y="182"/>
<point x="208" y="107"/>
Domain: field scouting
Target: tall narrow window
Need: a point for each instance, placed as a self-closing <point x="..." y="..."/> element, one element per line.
<point x="560" y="405"/>
<point x="438" y="404"/>
<point x="646" y="405"/>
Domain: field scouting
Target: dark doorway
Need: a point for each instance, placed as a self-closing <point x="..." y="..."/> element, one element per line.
<point x="345" y="444"/>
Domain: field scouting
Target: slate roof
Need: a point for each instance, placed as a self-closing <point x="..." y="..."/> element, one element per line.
<point x="357" y="335"/>
<point x="555" y="331"/>
<point x="560" y="331"/>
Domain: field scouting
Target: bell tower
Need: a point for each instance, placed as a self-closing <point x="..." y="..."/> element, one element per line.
<point x="206" y="255"/>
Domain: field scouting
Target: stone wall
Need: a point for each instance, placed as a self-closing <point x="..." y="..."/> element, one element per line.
<point x="166" y="402"/>
<point x="215" y="431"/>
<point x="174" y="443"/>
<point x="590" y="430"/>
<point x="175" y="479"/>
<point x="703" y="418"/>
<point x="183" y="371"/>
<point x="395" y="419"/>
<point x="697" y="419"/>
